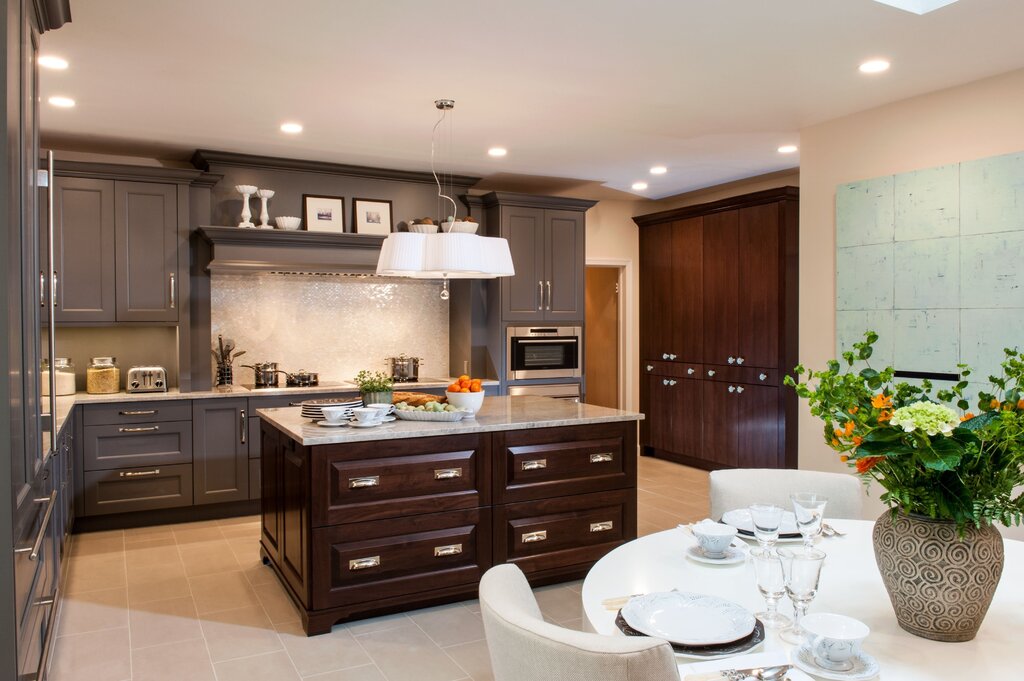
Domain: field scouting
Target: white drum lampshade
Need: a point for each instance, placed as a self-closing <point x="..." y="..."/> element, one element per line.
<point x="444" y="256"/>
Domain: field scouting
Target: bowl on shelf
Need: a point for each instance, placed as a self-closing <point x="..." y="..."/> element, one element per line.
<point x="470" y="402"/>
<point x="421" y="228"/>
<point x="288" y="222"/>
<point x="460" y="226"/>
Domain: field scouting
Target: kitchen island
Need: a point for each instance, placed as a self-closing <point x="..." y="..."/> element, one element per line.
<point x="362" y="522"/>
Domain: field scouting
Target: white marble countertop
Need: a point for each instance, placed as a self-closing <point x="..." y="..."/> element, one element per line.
<point x="498" y="413"/>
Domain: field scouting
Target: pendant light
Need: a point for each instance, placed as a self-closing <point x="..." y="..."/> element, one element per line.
<point x="445" y="255"/>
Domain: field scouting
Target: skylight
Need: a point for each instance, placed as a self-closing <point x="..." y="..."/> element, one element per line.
<point x="917" y="6"/>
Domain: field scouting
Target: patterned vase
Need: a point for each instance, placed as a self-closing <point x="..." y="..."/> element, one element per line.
<point x="940" y="585"/>
<point x="377" y="398"/>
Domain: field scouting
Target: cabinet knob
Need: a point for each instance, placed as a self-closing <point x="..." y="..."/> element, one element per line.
<point x="664" y="355"/>
<point x="689" y="372"/>
<point x="672" y="356"/>
<point x="650" y="367"/>
<point x="762" y="376"/>
<point x="739" y="388"/>
<point x="732" y="388"/>
<point x="664" y="381"/>
<point x="711" y="372"/>
<point x="672" y="382"/>
<point x="739" y="360"/>
<point x="731" y="360"/>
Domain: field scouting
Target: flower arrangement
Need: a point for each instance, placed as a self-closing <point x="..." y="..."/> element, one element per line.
<point x="929" y="458"/>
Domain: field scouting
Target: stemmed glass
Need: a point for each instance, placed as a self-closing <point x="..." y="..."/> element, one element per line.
<point x="810" y="511"/>
<point x="801" y="567"/>
<point x="771" y="582"/>
<point x="766" y="519"/>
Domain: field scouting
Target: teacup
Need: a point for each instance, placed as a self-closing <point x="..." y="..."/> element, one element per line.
<point x="335" y="415"/>
<point x="714" y="538"/>
<point x="834" y="640"/>
<point x="382" y="409"/>
<point x="366" y="414"/>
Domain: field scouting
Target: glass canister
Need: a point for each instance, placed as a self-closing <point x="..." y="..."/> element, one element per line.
<point x="63" y="374"/>
<point x="103" y="376"/>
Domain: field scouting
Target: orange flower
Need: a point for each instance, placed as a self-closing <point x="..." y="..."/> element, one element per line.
<point x="967" y="417"/>
<point x="881" y="401"/>
<point x="837" y="432"/>
<point x="867" y="463"/>
<point x="844" y="458"/>
<point x="855" y="409"/>
<point x="994" y="404"/>
<point x="848" y="428"/>
<point x="884" y="416"/>
<point x="1020" y="404"/>
<point x="857" y="439"/>
<point x="835" y="442"/>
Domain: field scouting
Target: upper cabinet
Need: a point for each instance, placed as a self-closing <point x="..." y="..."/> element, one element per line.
<point x="546" y="237"/>
<point x="146" y="221"/>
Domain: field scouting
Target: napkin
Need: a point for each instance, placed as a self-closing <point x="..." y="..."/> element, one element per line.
<point x="705" y="671"/>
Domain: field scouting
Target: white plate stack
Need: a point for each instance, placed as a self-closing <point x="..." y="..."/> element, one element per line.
<point x="312" y="409"/>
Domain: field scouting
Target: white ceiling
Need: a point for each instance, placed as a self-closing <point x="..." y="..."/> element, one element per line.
<point x="593" y="90"/>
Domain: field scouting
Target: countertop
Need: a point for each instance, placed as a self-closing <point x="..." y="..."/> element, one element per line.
<point x="498" y="413"/>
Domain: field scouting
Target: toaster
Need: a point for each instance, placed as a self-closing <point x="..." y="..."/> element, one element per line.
<point x="146" y="380"/>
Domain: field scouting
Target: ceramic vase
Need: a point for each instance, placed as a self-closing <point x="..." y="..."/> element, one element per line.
<point x="377" y="398"/>
<point x="940" y="584"/>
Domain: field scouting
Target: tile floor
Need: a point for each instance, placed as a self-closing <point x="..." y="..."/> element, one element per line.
<point x="193" y="602"/>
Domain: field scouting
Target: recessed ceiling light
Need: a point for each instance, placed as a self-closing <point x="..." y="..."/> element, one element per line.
<point x="917" y="6"/>
<point x="787" y="149"/>
<point x="497" y="152"/>
<point x="291" y="128"/>
<point x="658" y="170"/>
<point x="874" y="66"/>
<point x="62" y="102"/>
<point x="639" y="186"/>
<point x="51" y="62"/>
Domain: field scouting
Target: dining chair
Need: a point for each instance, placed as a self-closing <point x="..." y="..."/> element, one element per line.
<point x="524" y="647"/>
<point x="740" y="487"/>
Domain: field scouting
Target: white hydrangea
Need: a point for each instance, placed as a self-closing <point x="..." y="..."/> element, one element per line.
<point x="927" y="417"/>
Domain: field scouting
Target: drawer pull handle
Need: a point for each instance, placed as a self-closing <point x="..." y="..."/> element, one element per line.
<point x="139" y="474"/>
<point x="141" y="412"/>
<point x="447" y="473"/>
<point x="368" y="481"/>
<point x="37" y="546"/>
<point x="603" y="457"/>
<point x="534" y="464"/>
<point x="449" y="550"/>
<point x="539" y="535"/>
<point x="602" y="527"/>
<point x="140" y="429"/>
<point x="364" y="563"/>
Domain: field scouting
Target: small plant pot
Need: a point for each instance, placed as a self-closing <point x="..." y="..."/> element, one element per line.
<point x="377" y="398"/>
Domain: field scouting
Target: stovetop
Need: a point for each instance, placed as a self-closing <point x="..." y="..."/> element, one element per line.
<point x="320" y="385"/>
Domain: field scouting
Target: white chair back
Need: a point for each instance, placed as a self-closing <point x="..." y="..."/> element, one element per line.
<point x="740" y="487"/>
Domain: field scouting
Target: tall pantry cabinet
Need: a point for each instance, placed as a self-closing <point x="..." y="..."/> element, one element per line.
<point x="718" y="331"/>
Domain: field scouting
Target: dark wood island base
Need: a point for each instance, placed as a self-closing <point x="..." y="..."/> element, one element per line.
<point x="358" y="529"/>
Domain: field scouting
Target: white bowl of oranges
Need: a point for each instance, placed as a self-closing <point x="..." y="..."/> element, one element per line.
<point x="466" y="393"/>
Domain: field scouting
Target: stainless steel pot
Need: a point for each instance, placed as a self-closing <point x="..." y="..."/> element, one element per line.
<point x="404" y="369"/>
<point x="301" y="378"/>
<point x="266" y="374"/>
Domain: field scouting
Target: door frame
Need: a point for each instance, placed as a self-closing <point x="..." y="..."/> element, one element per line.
<point x="627" y="321"/>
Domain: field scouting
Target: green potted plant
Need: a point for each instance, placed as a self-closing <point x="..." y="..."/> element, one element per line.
<point x="374" y="386"/>
<point x="948" y="475"/>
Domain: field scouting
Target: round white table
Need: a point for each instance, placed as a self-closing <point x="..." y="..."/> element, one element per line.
<point x="850" y="585"/>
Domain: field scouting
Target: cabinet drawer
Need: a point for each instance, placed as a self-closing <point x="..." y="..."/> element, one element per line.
<point x="137" y="489"/>
<point x="552" y="533"/>
<point x="384" y="558"/>
<point x="734" y="374"/>
<point x="392" y="478"/>
<point x="673" y="369"/>
<point x="147" y="444"/>
<point x="137" y="412"/>
<point x="549" y="462"/>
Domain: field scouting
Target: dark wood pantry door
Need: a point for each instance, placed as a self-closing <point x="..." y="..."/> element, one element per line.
<point x="721" y="286"/>
<point x="757" y="268"/>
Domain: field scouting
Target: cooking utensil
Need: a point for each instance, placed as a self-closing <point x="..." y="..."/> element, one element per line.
<point x="300" y="378"/>
<point x="404" y="369"/>
<point x="265" y="372"/>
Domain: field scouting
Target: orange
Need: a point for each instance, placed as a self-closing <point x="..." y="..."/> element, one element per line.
<point x="464" y="390"/>
<point x="475" y="388"/>
<point x="453" y="388"/>
<point x="463" y="377"/>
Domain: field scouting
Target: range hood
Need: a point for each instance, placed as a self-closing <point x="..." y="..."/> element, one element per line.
<point x="232" y="250"/>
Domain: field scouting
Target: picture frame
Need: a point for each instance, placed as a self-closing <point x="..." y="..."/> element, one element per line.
<point x="322" y="213"/>
<point x="372" y="216"/>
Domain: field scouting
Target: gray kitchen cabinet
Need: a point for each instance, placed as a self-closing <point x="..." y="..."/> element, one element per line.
<point x="566" y="265"/>
<point x="220" y="441"/>
<point x="146" y="221"/>
<point x="522" y="295"/>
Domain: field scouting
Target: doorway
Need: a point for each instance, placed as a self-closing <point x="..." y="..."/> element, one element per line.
<point x="602" y="347"/>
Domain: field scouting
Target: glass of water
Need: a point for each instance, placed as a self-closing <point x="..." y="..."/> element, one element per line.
<point x="766" y="519"/>
<point x="810" y="511"/>
<point x="771" y="582"/>
<point x="801" y="568"/>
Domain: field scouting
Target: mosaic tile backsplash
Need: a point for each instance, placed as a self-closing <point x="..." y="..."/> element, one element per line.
<point x="330" y="324"/>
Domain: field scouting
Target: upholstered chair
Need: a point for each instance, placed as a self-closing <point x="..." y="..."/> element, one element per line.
<point x="740" y="487"/>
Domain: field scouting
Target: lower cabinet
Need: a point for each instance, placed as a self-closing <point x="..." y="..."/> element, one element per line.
<point x="220" y="435"/>
<point x="137" y="489"/>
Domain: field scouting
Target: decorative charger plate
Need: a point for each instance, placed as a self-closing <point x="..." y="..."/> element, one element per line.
<point x="755" y="638"/>
<point x="688" y="619"/>
<point x="740" y="519"/>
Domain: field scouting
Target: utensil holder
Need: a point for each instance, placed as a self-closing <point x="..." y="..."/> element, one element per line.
<point x="225" y="375"/>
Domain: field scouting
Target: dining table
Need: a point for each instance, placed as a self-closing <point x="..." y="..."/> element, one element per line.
<point x="850" y="585"/>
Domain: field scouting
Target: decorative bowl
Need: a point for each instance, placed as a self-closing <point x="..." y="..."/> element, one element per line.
<point x="460" y="226"/>
<point x="265" y="193"/>
<point x="288" y="222"/>
<point x="470" y="402"/>
<point x="246" y="188"/>
<point x="421" y="228"/>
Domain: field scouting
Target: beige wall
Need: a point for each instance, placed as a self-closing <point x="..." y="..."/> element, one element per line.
<point x="783" y="178"/>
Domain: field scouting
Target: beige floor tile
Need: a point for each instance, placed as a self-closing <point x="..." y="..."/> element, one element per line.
<point x="163" y="587"/>
<point x="473" y="605"/>
<point x="257" y="573"/>
<point x="408" y="653"/>
<point x="365" y="673"/>
<point x="473" y="658"/>
<point x="382" y="623"/>
<point x="645" y="528"/>
<point x="97" y="544"/>
<point x="95" y="656"/>
<point x="207" y="558"/>
<point x="246" y="549"/>
<point x="141" y="557"/>
<point x="447" y="625"/>
<point x="317" y="654"/>
<point x="663" y="519"/>
<point x="164" y="622"/>
<point x="92" y="573"/>
<point x="559" y="603"/>
<point x="224" y="591"/>
<point x="151" y="542"/>
<point x="270" y="667"/>
<point x="183" y="661"/>
<point x="93" y="611"/>
<point x="135" y="535"/>
<point x="241" y="531"/>
<point x="276" y="602"/>
<point x="237" y="520"/>
<point x="238" y="633"/>
<point x="198" y="534"/>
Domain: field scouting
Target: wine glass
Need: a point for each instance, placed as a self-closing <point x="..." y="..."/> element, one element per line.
<point x="771" y="582"/>
<point x="766" y="519"/>
<point x="810" y="511"/>
<point x="801" y="568"/>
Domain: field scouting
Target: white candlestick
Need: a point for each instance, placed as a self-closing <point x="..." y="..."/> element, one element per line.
<point x="264" y="194"/>
<point x="246" y="190"/>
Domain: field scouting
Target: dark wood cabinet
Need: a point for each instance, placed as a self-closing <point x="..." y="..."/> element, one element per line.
<point x="83" y="211"/>
<point x="718" y="317"/>
<point x="220" y="434"/>
<point x="146" y="221"/>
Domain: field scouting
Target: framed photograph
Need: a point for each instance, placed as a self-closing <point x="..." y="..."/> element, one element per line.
<point x="323" y="213"/>
<point x="371" y="216"/>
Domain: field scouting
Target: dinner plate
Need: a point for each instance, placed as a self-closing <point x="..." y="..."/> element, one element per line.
<point x="740" y="519"/>
<point x="688" y="619"/>
<point x="716" y="652"/>
<point x="732" y="556"/>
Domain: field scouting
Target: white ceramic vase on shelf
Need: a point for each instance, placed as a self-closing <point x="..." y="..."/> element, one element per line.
<point x="246" y="190"/>
<point x="265" y="195"/>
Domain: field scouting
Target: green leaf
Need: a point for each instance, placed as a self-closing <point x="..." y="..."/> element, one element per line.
<point x="980" y="421"/>
<point x="942" y="454"/>
<point x="848" y="356"/>
<point x="963" y="404"/>
<point x="883" y="435"/>
<point x="868" y="374"/>
<point x="865" y="352"/>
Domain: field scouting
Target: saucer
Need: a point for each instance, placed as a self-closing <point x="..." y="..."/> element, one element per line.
<point x="732" y="556"/>
<point x="327" y="424"/>
<point x="365" y="424"/>
<point x="864" y="666"/>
